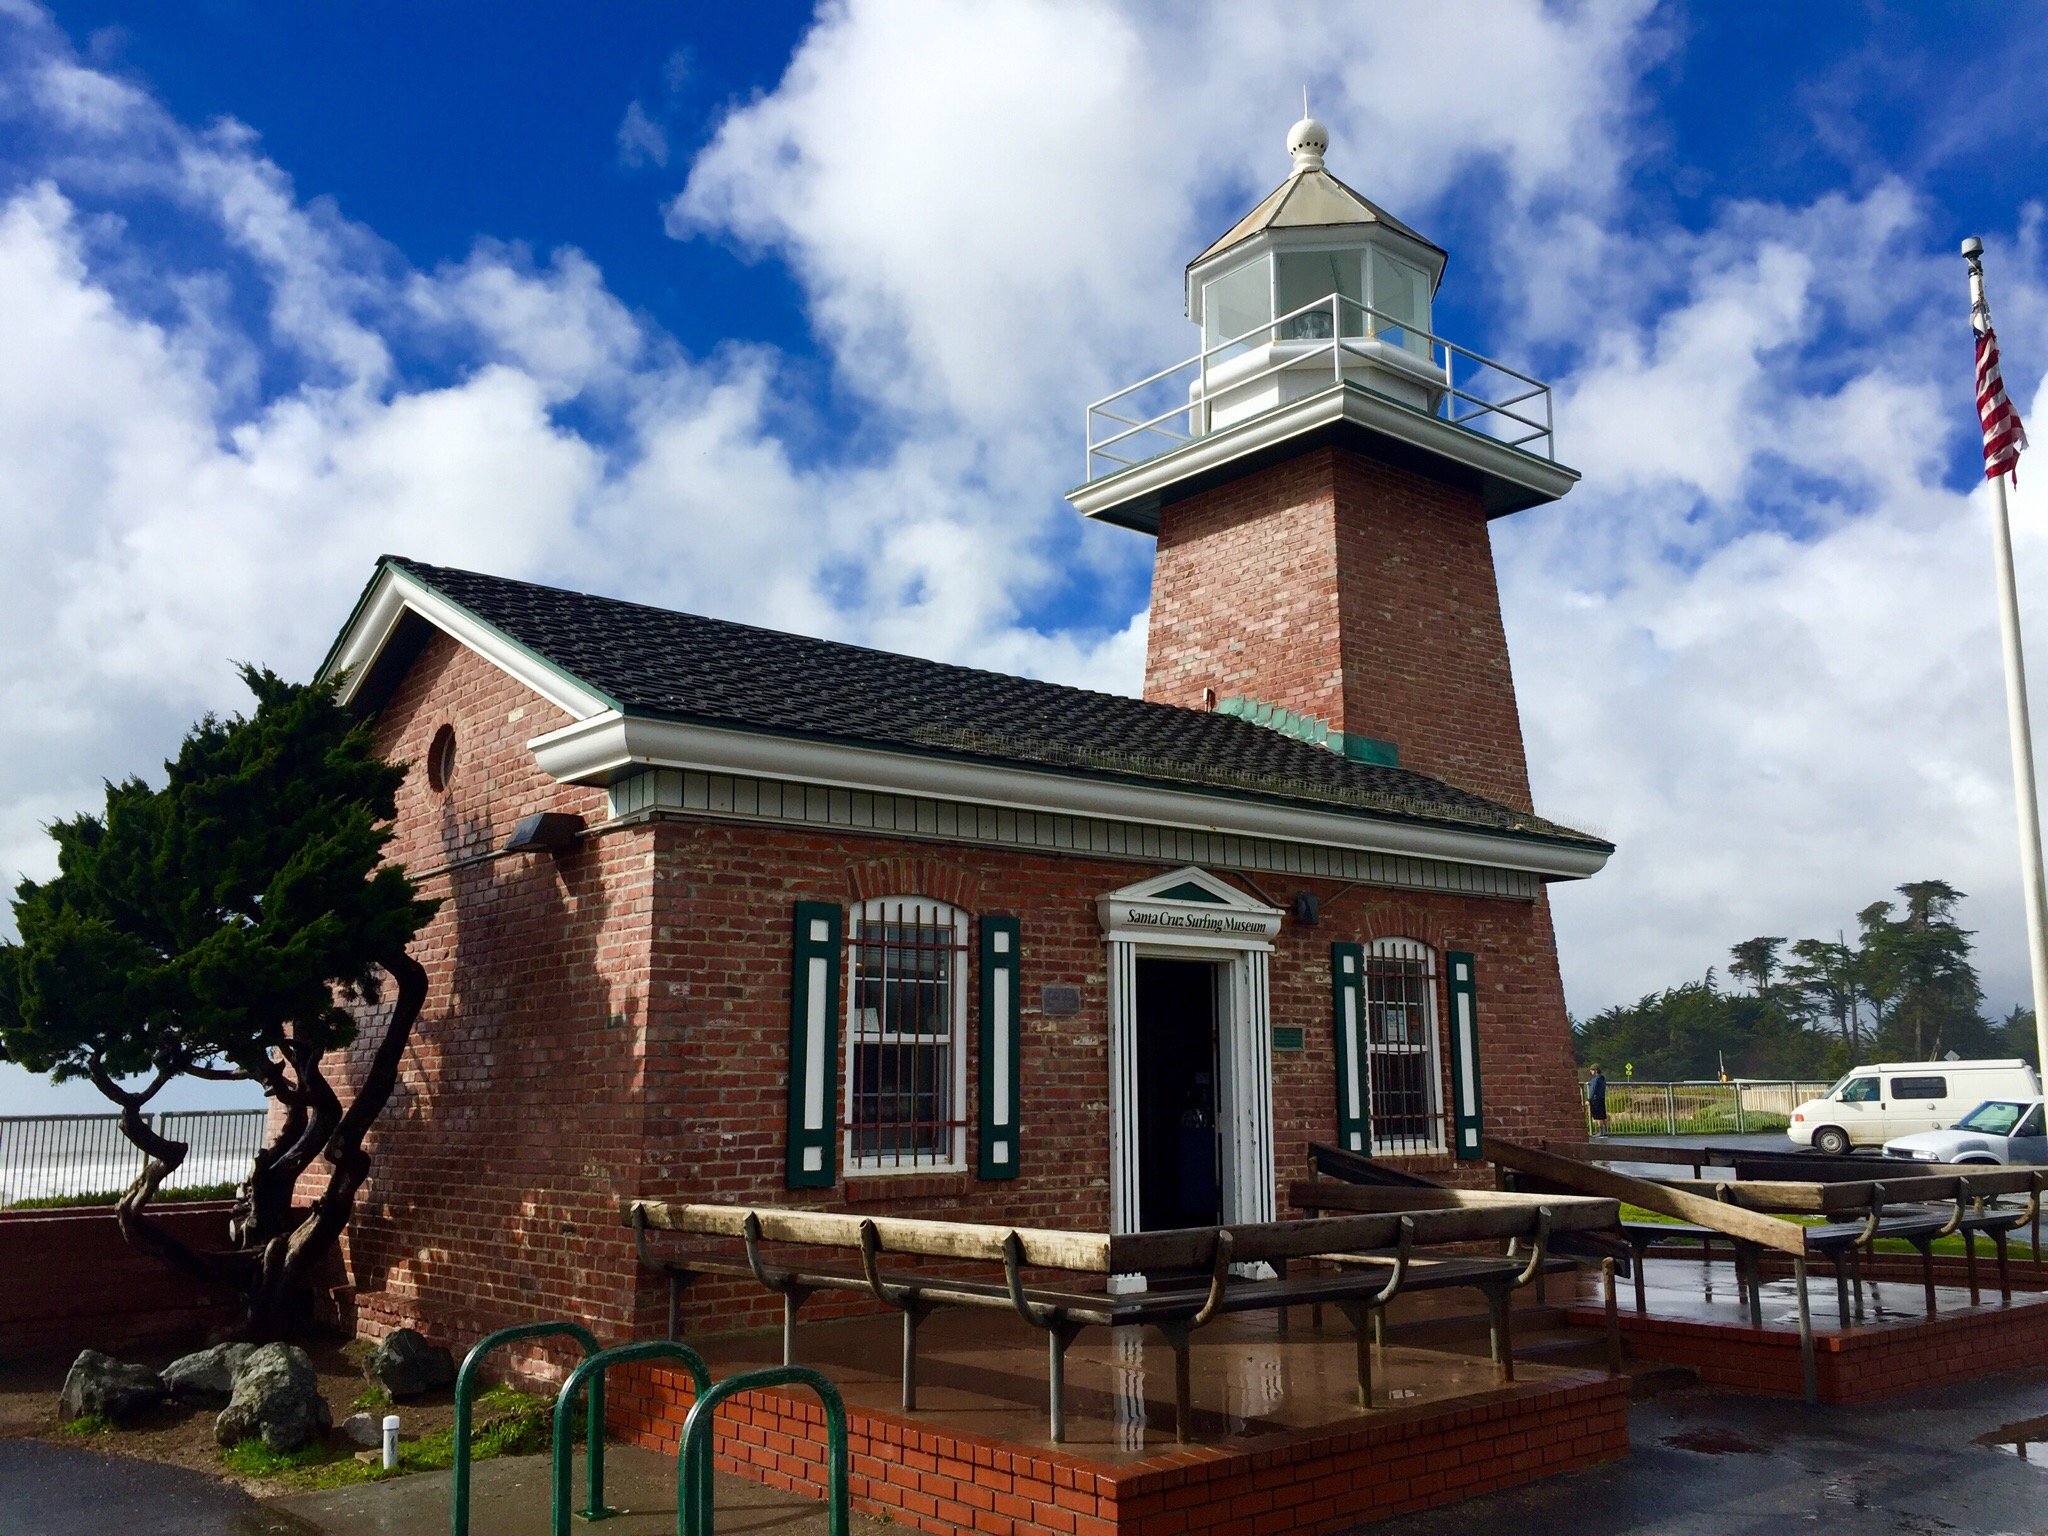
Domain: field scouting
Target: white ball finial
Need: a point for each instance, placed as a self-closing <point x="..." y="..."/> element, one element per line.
<point x="1306" y="141"/>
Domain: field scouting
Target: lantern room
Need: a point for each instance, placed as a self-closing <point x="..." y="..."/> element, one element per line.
<point x="1314" y="261"/>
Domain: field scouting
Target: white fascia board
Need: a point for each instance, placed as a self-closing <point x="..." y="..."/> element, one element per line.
<point x="600" y="750"/>
<point x="1547" y="479"/>
<point x="396" y="593"/>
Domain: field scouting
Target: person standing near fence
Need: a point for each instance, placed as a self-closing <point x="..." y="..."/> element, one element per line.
<point x="1596" y="1100"/>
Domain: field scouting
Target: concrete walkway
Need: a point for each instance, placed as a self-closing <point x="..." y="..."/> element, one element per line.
<point x="509" y="1496"/>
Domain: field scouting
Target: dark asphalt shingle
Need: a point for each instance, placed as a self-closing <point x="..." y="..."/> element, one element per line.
<point x="657" y="662"/>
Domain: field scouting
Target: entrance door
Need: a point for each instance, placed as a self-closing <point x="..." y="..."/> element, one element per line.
<point x="1177" y="1103"/>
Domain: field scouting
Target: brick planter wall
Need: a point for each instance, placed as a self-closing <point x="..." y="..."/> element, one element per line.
<point x="947" y="1481"/>
<point x="1860" y="1366"/>
<point x="68" y="1281"/>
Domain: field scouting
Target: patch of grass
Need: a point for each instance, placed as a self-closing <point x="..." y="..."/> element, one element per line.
<point x="87" y="1424"/>
<point x="369" y="1398"/>
<point x="508" y="1423"/>
<point x="113" y="1197"/>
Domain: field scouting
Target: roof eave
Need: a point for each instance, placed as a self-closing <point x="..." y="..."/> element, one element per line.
<point x="606" y="748"/>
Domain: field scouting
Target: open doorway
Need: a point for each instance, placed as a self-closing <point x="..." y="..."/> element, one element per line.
<point x="1178" y="1184"/>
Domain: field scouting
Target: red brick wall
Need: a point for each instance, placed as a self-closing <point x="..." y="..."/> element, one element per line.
<point x="945" y="1481"/>
<point x="68" y="1281"/>
<point x="1859" y="1365"/>
<point x="614" y="1022"/>
<point x="1361" y="594"/>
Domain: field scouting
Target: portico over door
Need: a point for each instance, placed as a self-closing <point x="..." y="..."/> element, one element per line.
<point x="1199" y="919"/>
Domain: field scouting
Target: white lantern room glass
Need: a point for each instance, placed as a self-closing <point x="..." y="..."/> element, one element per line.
<point x="1303" y="277"/>
<point x="1238" y="301"/>
<point x="1400" y="293"/>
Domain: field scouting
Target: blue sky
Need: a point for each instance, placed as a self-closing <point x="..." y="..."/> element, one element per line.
<point x="790" y="316"/>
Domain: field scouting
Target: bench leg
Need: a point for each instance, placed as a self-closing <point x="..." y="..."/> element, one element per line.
<point x="1501" y="1303"/>
<point x="1970" y="1263"/>
<point x="1057" y="1338"/>
<point x="793" y="1297"/>
<point x="1809" y="1379"/>
<point x="914" y="1314"/>
<point x="2004" y="1274"/>
<point x="1183" y="1391"/>
<point x="1613" y="1317"/>
<point x="1842" y="1265"/>
<point x="1856" y="1279"/>
<point x="1379" y="1326"/>
<point x="1361" y="1342"/>
<point x="1926" y="1271"/>
<point x="1746" y="1262"/>
<point x="675" y="1290"/>
<point x="1642" y="1308"/>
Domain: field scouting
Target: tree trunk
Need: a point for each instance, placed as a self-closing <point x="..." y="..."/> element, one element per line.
<point x="278" y="1301"/>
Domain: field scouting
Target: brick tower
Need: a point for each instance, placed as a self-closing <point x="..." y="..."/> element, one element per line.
<point x="1320" y="479"/>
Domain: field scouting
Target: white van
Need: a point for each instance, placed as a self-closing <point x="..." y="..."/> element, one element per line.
<point x="1871" y="1105"/>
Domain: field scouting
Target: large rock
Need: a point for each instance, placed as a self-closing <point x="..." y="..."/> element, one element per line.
<point x="405" y="1365"/>
<point x="277" y="1397"/>
<point x="100" y="1384"/>
<point x="206" y="1379"/>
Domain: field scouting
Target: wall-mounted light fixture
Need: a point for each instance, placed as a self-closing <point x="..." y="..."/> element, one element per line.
<point x="551" y="830"/>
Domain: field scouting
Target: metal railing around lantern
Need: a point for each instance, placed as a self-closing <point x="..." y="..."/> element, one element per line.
<point x="1350" y="340"/>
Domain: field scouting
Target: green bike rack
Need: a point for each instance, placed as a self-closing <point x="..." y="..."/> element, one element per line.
<point x="693" y="1466"/>
<point x="592" y="1369"/>
<point x="465" y="1393"/>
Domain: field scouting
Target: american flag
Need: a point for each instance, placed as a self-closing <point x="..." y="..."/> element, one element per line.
<point x="2004" y="437"/>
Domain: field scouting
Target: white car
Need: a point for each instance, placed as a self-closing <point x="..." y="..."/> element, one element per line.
<point x="1872" y="1105"/>
<point x="1996" y="1131"/>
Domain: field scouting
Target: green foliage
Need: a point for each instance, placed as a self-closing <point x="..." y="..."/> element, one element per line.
<point x="110" y="1196"/>
<point x="87" y="1424"/>
<point x="508" y="1423"/>
<point x="223" y="917"/>
<point x="1906" y="990"/>
<point x="371" y="1397"/>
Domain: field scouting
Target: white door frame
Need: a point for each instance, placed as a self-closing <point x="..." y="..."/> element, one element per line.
<point x="1160" y="919"/>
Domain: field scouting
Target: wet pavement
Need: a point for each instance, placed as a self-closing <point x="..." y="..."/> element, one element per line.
<point x="47" y="1489"/>
<point x="1710" y="1464"/>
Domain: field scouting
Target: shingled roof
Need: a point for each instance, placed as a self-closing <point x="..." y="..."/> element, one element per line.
<point x="658" y="663"/>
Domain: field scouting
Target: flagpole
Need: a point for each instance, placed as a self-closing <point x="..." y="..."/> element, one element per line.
<point x="2034" y="882"/>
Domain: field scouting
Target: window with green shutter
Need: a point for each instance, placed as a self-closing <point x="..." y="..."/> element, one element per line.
<point x="1000" y="1049"/>
<point x="814" y="1045"/>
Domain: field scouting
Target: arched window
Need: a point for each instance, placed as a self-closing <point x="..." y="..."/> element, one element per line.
<point x="906" y="1060"/>
<point x="1401" y="1047"/>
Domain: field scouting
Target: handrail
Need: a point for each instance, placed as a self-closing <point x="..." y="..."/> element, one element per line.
<point x="1447" y="361"/>
<point x="465" y="1386"/>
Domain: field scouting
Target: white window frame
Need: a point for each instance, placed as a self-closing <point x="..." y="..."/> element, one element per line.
<point x="1430" y="1047"/>
<point x="855" y="1034"/>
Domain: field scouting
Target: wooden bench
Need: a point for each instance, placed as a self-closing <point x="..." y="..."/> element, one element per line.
<point x="1385" y="1245"/>
<point x="1495" y="1278"/>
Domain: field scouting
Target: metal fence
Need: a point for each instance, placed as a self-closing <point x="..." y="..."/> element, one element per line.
<point x="1703" y="1108"/>
<point x="52" y="1157"/>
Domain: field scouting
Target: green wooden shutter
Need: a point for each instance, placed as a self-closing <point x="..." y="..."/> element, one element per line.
<point x="1000" y="1054"/>
<point x="814" y="1045"/>
<point x="1465" y="1116"/>
<point x="1347" y="1006"/>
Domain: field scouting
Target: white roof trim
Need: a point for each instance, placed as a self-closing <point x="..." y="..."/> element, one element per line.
<point x="396" y="592"/>
<point x="607" y="747"/>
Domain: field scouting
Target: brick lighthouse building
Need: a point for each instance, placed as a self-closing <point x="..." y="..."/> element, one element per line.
<point x="737" y="915"/>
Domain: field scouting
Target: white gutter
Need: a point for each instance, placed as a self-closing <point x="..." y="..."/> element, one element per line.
<point x="609" y="746"/>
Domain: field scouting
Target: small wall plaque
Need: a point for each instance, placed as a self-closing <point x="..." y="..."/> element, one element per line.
<point x="1286" y="1039"/>
<point x="1059" y="1002"/>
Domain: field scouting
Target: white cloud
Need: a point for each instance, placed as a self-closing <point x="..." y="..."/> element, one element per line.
<point x="1755" y="645"/>
<point x="642" y="140"/>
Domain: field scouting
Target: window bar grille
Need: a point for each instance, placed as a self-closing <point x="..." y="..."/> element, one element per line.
<point x="904" y="1108"/>
<point x="1403" y="1060"/>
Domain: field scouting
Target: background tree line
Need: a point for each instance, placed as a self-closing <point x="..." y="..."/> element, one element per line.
<point x="1904" y="989"/>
